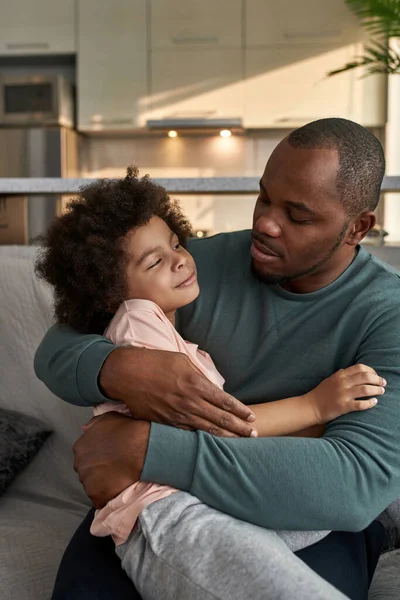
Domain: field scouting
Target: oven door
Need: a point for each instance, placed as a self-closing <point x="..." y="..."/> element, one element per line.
<point x="29" y="100"/>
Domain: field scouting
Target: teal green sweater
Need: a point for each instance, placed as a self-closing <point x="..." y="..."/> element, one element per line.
<point x="270" y="344"/>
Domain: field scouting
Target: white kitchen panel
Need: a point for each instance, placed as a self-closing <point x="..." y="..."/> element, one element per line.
<point x="195" y="23"/>
<point x="392" y="153"/>
<point x="112" y="64"/>
<point x="369" y="105"/>
<point x="299" y="22"/>
<point x="192" y="156"/>
<point x="183" y="156"/>
<point x="216" y="214"/>
<point x="289" y="87"/>
<point x="196" y="83"/>
<point x="37" y="27"/>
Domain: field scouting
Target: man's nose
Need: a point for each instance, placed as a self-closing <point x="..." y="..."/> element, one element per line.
<point x="268" y="225"/>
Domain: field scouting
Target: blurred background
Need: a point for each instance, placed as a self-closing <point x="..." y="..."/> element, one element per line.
<point x="183" y="88"/>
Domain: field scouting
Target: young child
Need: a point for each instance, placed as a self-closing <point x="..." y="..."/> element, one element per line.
<point x="118" y="263"/>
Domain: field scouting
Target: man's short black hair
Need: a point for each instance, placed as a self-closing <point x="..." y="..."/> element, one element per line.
<point x="361" y="159"/>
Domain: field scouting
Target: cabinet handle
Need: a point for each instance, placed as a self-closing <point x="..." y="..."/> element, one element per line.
<point x="205" y="39"/>
<point x="118" y="121"/>
<point x="294" y="119"/>
<point x="27" y="45"/>
<point x="313" y="35"/>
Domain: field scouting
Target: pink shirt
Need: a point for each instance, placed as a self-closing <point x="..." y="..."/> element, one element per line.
<point x="142" y="323"/>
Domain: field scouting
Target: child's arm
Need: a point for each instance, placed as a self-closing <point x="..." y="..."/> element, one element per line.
<point x="335" y="396"/>
<point x="315" y="431"/>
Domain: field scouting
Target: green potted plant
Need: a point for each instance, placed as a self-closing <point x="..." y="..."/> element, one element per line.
<point x="381" y="18"/>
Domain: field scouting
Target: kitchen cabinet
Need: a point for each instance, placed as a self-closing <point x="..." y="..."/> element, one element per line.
<point x="270" y="22"/>
<point x="195" y="23"/>
<point x="112" y="64"/>
<point x="30" y="27"/>
<point x="196" y="59"/>
<point x="196" y="83"/>
<point x="259" y="60"/>
<point x="287" y="87"/>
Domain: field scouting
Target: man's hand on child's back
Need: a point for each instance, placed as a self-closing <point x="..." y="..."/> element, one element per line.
<point x="166" y="387"/>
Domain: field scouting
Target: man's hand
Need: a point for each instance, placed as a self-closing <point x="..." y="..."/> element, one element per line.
<point x="166" y="387"/>
<point x="110" y="455"/>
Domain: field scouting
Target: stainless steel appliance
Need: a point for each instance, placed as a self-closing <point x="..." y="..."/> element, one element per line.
<point x="34" y="152"/>
<point x="36" y="100"/>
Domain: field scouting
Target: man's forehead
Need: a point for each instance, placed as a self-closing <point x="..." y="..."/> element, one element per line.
<point x="309" y="179"/>
<point x="287" y="157"/>
<point x="297" y="167"/>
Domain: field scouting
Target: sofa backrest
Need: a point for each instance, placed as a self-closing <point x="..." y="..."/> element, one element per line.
<point x="25" y="315"/>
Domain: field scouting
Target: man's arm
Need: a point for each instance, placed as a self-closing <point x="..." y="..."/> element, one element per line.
<point x="333" y="397"/>
<point x="341" y="481"/>
<point x="159" y="386"/>
<point x="69" y="364"/>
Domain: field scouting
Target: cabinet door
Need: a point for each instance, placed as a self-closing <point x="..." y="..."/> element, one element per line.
<point x="196" y="23"/>
<point x="196" y="84"/>
<point x="37" y="27"/>
<point x="290" y="87"/>
<point x="299" y="22"/>
<point x="112" y="64"/>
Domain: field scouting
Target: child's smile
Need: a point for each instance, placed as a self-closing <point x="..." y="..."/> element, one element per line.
<point x="159" y="268"/>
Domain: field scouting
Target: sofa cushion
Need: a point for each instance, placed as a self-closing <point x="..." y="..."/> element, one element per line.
<point x="386" y="582"/>
<point x="25" y="316"/>
<point x="33" y="538"/>
<point x="21" y="438"/>
<point x="40" y="511"/>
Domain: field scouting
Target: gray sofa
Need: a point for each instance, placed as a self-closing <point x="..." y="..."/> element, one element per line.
<point x="44" y="505"/>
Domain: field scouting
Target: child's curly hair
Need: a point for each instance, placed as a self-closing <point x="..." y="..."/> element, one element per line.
<point x="83" y="256"/>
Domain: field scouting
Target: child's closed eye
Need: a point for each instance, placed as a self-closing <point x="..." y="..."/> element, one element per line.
<point x="154" y="264"/>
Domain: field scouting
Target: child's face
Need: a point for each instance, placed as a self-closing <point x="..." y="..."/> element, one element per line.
<point x="159" y="269"/>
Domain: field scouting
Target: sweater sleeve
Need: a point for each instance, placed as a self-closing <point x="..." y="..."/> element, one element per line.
<point x="69" y="364"/>
<point x="339" y="482"/>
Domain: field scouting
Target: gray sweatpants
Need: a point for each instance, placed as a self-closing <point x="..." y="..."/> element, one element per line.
<point x="181" y="549"/>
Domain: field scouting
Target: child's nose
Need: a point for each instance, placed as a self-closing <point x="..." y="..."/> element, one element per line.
<point x="180" y="262"/>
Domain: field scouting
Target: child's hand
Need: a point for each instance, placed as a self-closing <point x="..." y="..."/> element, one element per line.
<point x="337" y="395"/>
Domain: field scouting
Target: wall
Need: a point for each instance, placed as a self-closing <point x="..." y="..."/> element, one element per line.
<point x="211" y="156"/>
<point x="198" y="156"/>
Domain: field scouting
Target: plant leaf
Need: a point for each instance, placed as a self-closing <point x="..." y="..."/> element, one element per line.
<point x="387" y="62"/>
<point x="378" y="16"/>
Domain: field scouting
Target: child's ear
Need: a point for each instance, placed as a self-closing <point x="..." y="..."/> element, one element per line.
<point x="360" y="226"/>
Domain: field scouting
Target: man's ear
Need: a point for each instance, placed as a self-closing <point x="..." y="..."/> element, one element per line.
<point x="359" y="227"/>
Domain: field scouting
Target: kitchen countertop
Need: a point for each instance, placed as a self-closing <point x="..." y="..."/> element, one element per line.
<point x="189" y="185"/>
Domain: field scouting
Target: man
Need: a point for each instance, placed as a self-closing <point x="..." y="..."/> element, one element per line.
<point x="280" y="309"/>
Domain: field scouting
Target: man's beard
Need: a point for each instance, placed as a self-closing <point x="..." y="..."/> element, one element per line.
<point x="283" y="279"/>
